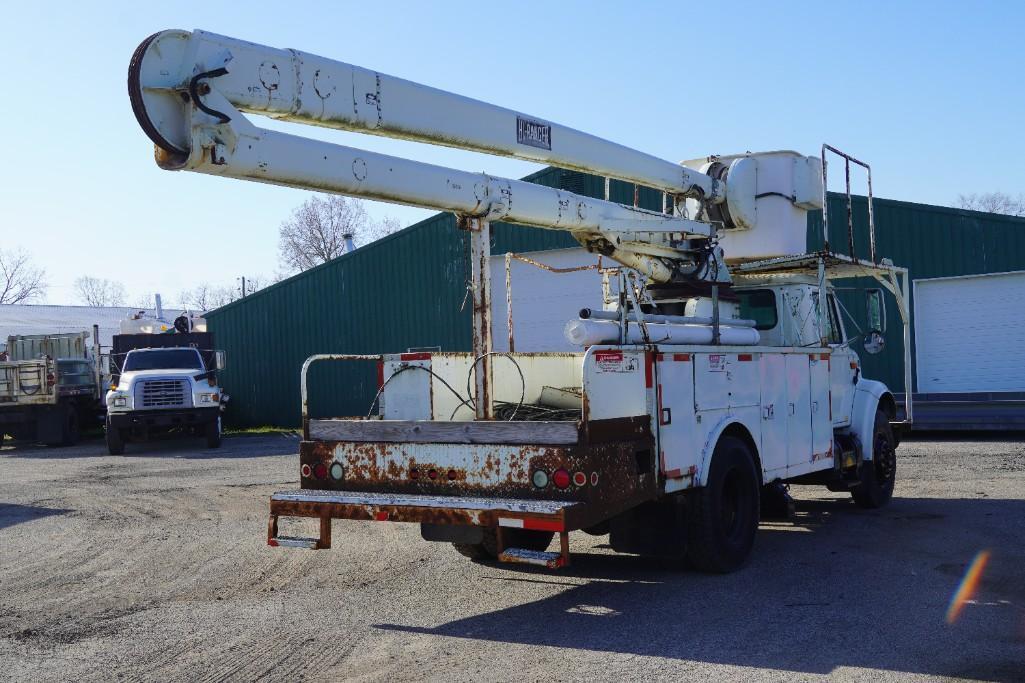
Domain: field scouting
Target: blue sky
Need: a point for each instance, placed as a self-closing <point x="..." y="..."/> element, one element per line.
<point x="930" y="93"/>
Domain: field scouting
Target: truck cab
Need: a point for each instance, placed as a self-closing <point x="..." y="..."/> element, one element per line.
<point x="164" y="390"/>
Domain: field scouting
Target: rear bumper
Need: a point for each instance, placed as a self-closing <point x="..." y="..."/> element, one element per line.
<point x="187" y="417"/>
<point x="541" y="515"/>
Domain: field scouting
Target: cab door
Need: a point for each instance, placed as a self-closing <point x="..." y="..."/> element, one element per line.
<point x="843" y="366"/>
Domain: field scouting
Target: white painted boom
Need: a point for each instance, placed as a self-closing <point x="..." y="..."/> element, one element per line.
<point x="297" y="86"/>
<point x="189" y="92"/>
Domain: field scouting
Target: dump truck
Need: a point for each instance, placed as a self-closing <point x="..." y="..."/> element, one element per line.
<point x="50" y="387"/>
<point x="720" y="371"/>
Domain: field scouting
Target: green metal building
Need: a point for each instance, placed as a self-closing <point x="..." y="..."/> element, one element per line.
<point x="408" y="290"/>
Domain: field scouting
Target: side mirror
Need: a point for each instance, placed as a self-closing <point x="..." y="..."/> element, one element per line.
<point x="219" y="359"/>
<point x="876" y="309"/>
<point x="874" y="342"/>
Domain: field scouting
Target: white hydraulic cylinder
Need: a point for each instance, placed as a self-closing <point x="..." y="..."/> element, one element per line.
<point x="297" y="86"/>
<point x="589" y="332"/>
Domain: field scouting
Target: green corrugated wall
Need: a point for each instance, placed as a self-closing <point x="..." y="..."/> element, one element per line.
<point x="407" y="291"/>
<point x="930" y="241"/>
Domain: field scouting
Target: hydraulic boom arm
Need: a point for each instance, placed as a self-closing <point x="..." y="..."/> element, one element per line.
<point x="190" y="93"/>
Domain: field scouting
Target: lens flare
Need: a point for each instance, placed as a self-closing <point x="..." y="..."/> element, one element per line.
<point x="969" y="586"/>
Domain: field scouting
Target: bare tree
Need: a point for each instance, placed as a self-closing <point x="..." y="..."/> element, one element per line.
<point x="96" y="291"/>
<point x="316" y="231"/>
<point x="20" y="281"/>
<point x="206" y="297"/>
<point x="201" y="297"/>
<point x="993" y="202"/>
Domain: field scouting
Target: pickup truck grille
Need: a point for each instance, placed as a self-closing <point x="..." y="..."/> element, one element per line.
<point x="163" y="393"/>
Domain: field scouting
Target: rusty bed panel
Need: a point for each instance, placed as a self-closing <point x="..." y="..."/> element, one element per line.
<point x="611" y="464"/>
<point x="603" y="472"/>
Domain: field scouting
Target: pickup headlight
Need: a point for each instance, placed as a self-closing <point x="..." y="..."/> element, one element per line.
<point x="208" y="398"/>
<point x="120" y="401"/>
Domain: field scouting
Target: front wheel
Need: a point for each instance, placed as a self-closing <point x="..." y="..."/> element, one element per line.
<point x="213" y="434"/>
<point x="878" y="476"/>
<point x="71" y="431"/>
<point x="115" y="440"/>
<point x="723" y="515"/>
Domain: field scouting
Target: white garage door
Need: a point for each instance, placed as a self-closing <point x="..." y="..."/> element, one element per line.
<point x="970" y="333"/>
<point x="543" y="302"/>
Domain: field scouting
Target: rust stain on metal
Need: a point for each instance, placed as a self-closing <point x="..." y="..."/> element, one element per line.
<point x="610" y="447"/>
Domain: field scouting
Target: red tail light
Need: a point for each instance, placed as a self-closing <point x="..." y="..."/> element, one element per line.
<point x="560" y="478"/>
<point x="452" y="475"/>
<point x="579" y="479"/>
<point x="320" y="470"/>
<point x="414" y="473"/>
<point x="432" y="474"/>
<point x="305" y="470"/>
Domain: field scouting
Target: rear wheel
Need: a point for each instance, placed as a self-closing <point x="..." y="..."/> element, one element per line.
<point x="514" y="538"/>
<point x="878" y="476"/>
<point x="115" y="440"/>
<point x="213" y="434"/>
<point x="723" y="515"/>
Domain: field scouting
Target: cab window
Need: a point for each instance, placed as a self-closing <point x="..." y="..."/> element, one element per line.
<point x="759" y="305"/>
<point x="834" y="332"/>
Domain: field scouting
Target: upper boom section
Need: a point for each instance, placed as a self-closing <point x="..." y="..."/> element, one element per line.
<point x="297" y="86"/>
<point x="191" y="92"/>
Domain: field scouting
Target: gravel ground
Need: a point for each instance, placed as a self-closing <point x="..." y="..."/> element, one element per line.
<point x="154" y="566"/>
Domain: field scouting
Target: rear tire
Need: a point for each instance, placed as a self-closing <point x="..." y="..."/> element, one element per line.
<point x="514" y="538"/>
<point x="723" y="515"/>
<point x="879" y="475"/>
<point x="115" y="440"/>
<point x="213" y="434"/>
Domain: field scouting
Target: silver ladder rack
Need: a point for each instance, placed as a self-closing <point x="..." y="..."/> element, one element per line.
<point x="848" y="160"/>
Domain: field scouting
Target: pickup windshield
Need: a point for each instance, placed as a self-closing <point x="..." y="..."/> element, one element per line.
<point x="163" y="359"/>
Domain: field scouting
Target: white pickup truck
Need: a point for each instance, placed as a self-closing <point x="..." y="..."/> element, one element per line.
<point x="164" y="390"/>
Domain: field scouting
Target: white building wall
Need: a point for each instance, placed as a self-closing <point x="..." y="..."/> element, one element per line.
<point x="543" y="302"/>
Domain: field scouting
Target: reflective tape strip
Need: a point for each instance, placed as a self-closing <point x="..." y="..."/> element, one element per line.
<point x="532" y="523"/>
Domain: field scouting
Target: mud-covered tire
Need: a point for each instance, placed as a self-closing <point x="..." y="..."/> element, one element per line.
<point x="514" y="538"/>
<point x="878" y="476"/>
<point x="115" y="440"/>
<point x="722" y="516"/>
<point x="213" y="434"/>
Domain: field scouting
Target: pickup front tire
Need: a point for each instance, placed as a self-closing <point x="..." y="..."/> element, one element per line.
<point x="213" y="434"/>
<point x="115" y="440"/>
<point x="722" y="516"/>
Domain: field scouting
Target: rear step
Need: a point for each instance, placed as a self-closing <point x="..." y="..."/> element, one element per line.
<point x="294" y="542"/>
<point x="541" y="558"/>
<point x="498" y="513"/>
